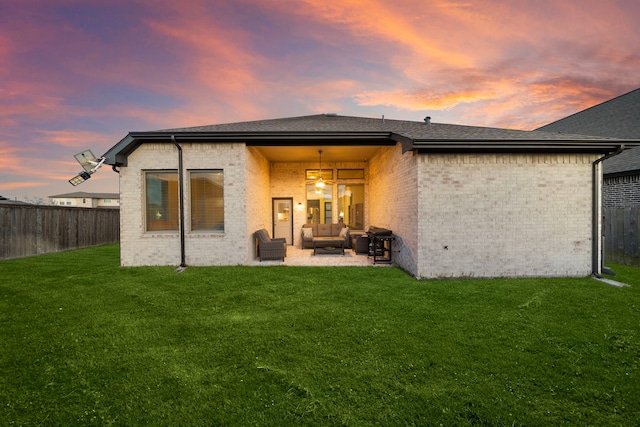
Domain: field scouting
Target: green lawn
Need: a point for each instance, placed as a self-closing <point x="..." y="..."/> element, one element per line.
<point x="83" y="341"/>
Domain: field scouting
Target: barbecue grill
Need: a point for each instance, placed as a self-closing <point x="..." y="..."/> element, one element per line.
<point x="380" y="244"/>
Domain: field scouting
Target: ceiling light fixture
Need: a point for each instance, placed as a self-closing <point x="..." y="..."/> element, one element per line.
<point x="320" y="182"/>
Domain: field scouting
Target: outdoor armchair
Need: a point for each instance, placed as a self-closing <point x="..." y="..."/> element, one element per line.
<point x="268" y="248"/>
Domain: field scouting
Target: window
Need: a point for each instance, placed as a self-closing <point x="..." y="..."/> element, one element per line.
<point x="351" y="205"/>
<point x="350" y="173"/>
<point x="319" y="204"/>
<point x="314" y="174"/>
<point x="207" y="200"/>
<point x="349" y="200"/>
<point x="161" y="190"/>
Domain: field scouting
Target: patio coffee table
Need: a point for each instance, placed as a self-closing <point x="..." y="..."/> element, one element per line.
<point x="328" y="245"/>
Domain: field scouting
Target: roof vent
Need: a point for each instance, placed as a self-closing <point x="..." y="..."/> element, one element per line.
<point x="427" y="120"/>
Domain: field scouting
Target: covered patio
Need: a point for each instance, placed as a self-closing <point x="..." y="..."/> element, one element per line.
<point x="304" y="257"/>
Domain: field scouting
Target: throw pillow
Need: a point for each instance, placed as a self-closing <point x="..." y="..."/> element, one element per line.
<point x="343" y="232"/>
<point x="307" y="233"/>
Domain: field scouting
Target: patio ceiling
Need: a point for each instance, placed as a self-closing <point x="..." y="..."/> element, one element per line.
<point x="309" y="153"/>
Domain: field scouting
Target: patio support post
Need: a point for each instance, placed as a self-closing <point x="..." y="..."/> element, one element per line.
<point x="183" y="263"/>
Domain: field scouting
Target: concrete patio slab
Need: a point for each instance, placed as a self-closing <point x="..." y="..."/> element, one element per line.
<point x="304" y="257"/>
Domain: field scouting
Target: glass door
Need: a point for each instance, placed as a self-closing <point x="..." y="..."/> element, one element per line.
<point x="283" y="219"/>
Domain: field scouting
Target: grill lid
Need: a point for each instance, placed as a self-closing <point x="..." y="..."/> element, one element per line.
<point x="377" y="231"/>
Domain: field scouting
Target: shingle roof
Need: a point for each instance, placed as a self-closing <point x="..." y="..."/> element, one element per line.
<point x="5" y="201"/>
<point x="618" y="118"/>
<point x="82" y="194"/>
<point x="409" y="129"/>
<point x="348" y="130"/>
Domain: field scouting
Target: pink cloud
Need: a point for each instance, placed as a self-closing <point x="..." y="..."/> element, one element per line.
<point x="77" y="139"/>
<point x="370" y="22"/>
<point x="493" y="68"/>
<point x="9" y="158"/>
<point x="68" y="84"/>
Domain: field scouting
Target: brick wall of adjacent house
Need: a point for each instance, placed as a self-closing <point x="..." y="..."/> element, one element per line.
<point x="139" y="247"/>
<point x="393" y="202"/>
<point x="621" y="192"/>
<point x="505" y="215"/>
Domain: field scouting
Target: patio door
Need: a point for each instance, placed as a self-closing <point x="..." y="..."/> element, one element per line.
<point x="283" y="218"/>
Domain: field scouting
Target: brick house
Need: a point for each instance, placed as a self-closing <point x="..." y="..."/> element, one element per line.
<point x="86" y="200"/>
<point x="463" y="201"/>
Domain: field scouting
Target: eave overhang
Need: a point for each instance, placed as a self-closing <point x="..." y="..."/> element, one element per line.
<point x="631" y="172"/>
<point x="586" y="146"/>
<point x="118" y="154"/>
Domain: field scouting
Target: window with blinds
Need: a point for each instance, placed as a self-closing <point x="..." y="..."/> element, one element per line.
<point x="207" y="200"/>
<point x="161" y="196"/>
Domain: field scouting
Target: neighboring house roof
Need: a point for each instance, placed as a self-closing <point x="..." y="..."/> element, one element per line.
<point x="617" y="118"/>
<point x="5" y="201"/>
<point x="332" y="129"/>
<point x="82" y="194"/>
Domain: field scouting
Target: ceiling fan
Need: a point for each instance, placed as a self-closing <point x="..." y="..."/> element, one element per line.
<point x="321" y="182"/>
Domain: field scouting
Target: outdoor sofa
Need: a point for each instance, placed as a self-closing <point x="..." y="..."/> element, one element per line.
<point x="337" y="231"/>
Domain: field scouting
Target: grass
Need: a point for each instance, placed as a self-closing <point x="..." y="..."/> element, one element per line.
<point x="268" y="346"/>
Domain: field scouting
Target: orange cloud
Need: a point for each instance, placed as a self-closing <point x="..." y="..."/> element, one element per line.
<point x="423" y="100"/>
<point x="389" y="22"/>
<point x="218" y="61"/>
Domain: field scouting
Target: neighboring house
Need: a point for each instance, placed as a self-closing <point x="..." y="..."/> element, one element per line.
<point x="86" y="200"/>
<point x="462" y="201"/>
<point x="5" y="201"/>
<point x="617" y="118"/>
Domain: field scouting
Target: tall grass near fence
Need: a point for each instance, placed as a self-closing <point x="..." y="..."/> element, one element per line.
<point x="87" y="342"/>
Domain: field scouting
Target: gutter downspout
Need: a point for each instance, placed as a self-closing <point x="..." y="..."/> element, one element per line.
<point x="183" y="264"/>
<point x="597" y="252"/>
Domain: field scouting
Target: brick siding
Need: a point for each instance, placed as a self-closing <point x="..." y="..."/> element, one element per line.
<point x="621" y="192"/>
<point x="453" y="215"/>
<point x="505" y="215"/>
<point x="393" y="202"/>
<point x="139" y="247"/>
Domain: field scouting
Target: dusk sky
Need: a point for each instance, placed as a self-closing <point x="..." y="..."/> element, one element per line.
<point x="81" y="74"/>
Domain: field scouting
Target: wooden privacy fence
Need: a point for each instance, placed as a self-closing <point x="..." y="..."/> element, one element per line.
<point x="622" y="236"/>
<point x="27" y="230"/>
